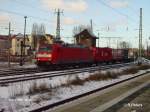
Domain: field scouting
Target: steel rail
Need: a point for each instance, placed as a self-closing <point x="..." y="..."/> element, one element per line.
<point x="19" y="72"/>
<point x="26" y="77"/>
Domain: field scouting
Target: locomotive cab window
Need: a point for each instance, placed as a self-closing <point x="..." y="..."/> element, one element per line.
<point x="45" y="49"/>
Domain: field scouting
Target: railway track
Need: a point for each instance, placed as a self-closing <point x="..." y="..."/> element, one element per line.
<point x="32" y="76"/>
<point x="15" y="72"/>
<point x="47" y="107"/>
<point x="21" y="71"/>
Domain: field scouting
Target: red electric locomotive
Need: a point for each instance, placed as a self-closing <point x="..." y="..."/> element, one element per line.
<point x="63" y="54"/>
<point x="70" y="54"/>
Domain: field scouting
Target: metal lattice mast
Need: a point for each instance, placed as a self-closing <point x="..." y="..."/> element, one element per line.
<point x="58" y="24"/>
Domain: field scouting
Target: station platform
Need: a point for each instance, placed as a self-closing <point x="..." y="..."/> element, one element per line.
<point x="137" y="102"/>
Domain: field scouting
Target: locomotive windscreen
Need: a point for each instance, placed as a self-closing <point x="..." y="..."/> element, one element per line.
<point x="45" y="48"/>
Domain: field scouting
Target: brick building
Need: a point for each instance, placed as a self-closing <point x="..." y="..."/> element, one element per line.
<point x="86" y="38"/>
<point x="4" y="45"/>
<point x="16" y="44"/>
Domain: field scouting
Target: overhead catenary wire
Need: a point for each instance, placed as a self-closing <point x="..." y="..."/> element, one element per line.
<point x="30" y="6"/>
<point x="121" y="13"/>
<point x="22" y="15"/>
<point x="135" y="12"/>
<point x="50" y="22"/>
<point x="115" y="10"/>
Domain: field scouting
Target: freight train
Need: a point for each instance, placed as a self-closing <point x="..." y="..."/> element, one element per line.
<point x="72" y="55"/>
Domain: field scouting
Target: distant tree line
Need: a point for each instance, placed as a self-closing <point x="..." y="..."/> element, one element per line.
<point x="80" y="28"/>
<point x="124" y="45"/>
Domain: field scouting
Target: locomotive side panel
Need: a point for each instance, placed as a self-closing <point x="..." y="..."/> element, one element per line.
<point x="74" y="55"/>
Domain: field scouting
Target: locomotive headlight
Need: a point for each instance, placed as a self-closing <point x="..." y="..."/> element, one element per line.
<point x="38" y="55"/>
<point x="44" y="55"/>
<point x="50" y="55"/>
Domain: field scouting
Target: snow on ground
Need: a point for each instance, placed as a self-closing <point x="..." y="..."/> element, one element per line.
<point x="27" y="65"/>
<point x="146" y="60"/>
<point x="4" y="65"/>
<point x="68" y="92"/>
<point x="14" y="97"/>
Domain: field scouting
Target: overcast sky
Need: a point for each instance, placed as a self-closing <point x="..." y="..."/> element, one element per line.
<point x="121" y="16"/>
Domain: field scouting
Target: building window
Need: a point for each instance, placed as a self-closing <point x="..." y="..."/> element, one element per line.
<point x="17" y="44"/>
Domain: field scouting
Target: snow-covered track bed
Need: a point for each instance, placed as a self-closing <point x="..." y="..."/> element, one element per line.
<point x="61" y="102"/>
<point x="25" y="76"/>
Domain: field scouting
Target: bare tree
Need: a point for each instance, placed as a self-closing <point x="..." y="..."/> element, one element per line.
<point x="124" y="44"/>
<point x="41" y="35"/>
<point x="34" y="36"/>
<point x="80" y="28"/>
<point x="41" y="29"/>
<point x="38" y="35"/>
